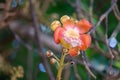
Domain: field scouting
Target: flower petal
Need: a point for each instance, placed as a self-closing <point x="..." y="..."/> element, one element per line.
<point x="86" y="41"/>
<point x="68" y="23"/>
<point x="57" y="34"/>
<point x="74" y="51"/>
<point x="84" y="25"/>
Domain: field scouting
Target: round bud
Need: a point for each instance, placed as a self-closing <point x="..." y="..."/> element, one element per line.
<point x="64" y="18"/>
<point x="54" y="25"/>
<point x="53" y="61"/>
<point x="49" y="53"/>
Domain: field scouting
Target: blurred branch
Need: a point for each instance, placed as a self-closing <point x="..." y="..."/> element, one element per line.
<point x="42" y="55"/>
<point x="2" y="5"/>
<point x="109" y="50"/>
<point x="29" y="33"/>
<point x="86" y="64"/>
<point x="116" y="31"/>
<point x="91" y="10"/>
<point x="106" y="38"/>
<point x="97" y="47"/>
<point x="29" y="73"/>
<point x="6" y="13"/>
<point x="22" y="42"/>
<point x="66" y="73"/>
<point x="103" y="16"/>
<point x="77" y="9"/>
<point x="116" y="11"/>
<point x="76" y="72"/>
<point x="80" y="12"/>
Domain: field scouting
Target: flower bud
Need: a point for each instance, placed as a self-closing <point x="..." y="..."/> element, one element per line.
<point x="53" y="61"/>
<point x="54" y="25"/>
<point x="64" y="18"/>
<point x="49" y="53"/>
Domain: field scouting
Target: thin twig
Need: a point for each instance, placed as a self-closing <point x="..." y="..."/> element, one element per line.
<point x="109" y="50"/>
<point x="116" y="31"/>
<point x="22" y="42"/>
<point x="37" y="30"/>
<point x="86" y="65"/>
<point x="106" y="39"/>
<point x="97" y="47"/>
<point x="116" y="11"/>
<point x="77" y="10"/>
<point x="29" y="74"/>
<point x="102" y="17"/>
<point x="91" y="10"/>
<point x="80" y="12"/>
<point x="76" y="72"/>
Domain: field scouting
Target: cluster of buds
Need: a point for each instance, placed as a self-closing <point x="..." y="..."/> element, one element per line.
<point x="53" y="60"/>
<point x="51" y="56"/>
<point x="49" y="53"/>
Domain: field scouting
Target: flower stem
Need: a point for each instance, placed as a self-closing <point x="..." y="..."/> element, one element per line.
<point x="56" y="57"/>
<point x="61" y="66"/>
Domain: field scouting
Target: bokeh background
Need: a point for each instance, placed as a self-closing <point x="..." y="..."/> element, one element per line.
<point x="19" y="52"/>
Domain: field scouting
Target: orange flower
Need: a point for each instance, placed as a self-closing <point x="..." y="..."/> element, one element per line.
<point x="72" y="34"/>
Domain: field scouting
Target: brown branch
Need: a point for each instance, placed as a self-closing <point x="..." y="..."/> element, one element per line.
<point x="66" y="73"/>
<point x="116" y="31"/>
<point x="2" y="5"/>
<point x="76" y="72"/>
<point x="6" y="9"/>
<point x="97" y="47"/>
<point x="109" y="50"/>
<point x="91" y="10"/>
<point x="6" y="14"/>
<point x="29" y="73"/>
<point x="27" y="31"/>
<point x="18" y="38"/>
<point x="42" y="55"/>
<point x="86" y="65"/>
<point x="102" y="17"/>
<point x="77" y="8"/>
<point x="80" y="12"/>
<point x="116" y="11"/>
